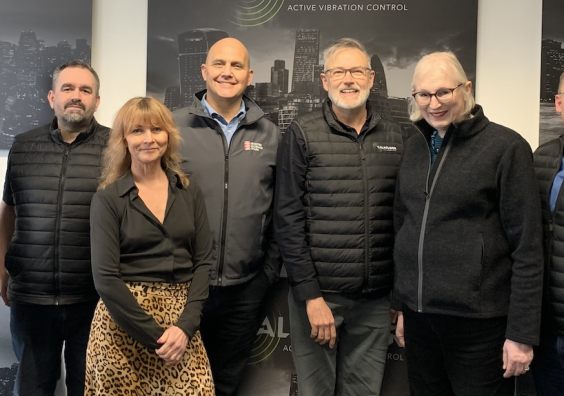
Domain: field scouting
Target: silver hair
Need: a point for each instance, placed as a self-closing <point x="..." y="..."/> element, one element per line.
<point x="448" y="62"/>
<point x="345" y="42"/>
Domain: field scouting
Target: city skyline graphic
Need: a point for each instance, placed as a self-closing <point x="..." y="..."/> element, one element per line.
<point x="33" y="43"/>
<point x="286" y="51"/>
<point x="552" y="65"/>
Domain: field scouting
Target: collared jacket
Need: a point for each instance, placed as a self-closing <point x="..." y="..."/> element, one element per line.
<point x="468" y="239"/>
<point x="237" y="181"/>
<point x="50" y="183"/>
<point x="334" y="216"/>
<point x="548" y="159"/>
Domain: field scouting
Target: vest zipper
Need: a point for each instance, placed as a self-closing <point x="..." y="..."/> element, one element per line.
<point x="366" y="212"/>
<point x="57" y="269"/>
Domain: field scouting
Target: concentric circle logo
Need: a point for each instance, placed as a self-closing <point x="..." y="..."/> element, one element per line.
<point x="268" y="338"/>
<point x="251" y="13"/>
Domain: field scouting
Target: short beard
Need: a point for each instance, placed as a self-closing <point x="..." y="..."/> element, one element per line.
<point x="77" y="119"/>
<point x="348" y="105"/>
<point x="74" y="118"/>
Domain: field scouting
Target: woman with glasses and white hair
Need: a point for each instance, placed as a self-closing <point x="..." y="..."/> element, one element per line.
<point x="468" y="249"/>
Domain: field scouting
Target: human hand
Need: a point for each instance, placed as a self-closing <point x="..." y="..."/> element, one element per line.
<point x="173" y="345"/>
<point x="516" y="358"/>
<point x="322" y="322"/>
<point x="4" y="278"/>
<point x="399" y="334"/>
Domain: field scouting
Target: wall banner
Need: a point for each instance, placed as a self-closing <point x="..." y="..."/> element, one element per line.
<point x="552" y="66"/>
<point x="34" y="39"/>
<point x="286" y="39"/>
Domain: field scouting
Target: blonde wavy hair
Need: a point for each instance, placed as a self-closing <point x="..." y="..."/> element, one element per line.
<point x="136" y="111"/>
<point x="448" y="62"/>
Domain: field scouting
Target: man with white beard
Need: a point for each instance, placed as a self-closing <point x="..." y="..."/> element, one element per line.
<point x="333" y="222"/>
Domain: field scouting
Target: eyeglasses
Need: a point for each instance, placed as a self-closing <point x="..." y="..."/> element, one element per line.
<point x="443" y="95"/>
<point x="338" y="73"/>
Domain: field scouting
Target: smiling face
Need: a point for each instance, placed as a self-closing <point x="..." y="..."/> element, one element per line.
<point x="348" y="93"/>
<point x="146" y="144"/>
<point x="74" y="97"/>
<point x="432" y="77"/>
<point x="227" y="71"/>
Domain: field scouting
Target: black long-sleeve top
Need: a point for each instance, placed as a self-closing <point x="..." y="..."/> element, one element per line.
<point x="130" y="244"/>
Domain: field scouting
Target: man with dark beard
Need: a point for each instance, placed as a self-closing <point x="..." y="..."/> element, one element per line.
<point x="45" y="274"/>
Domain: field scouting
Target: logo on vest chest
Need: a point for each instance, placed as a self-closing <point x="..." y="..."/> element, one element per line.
<point x="382" y="147"/>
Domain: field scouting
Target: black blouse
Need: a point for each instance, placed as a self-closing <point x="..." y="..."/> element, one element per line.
<point x="130" y="244"/>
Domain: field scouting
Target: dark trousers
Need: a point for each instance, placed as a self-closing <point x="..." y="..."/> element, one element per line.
<point x="38" y="335"/>
<point x="548" y="366"/>
<point x="231" y="318"/>
<point x="355" y="367"/>
<point x="448" y="355"/>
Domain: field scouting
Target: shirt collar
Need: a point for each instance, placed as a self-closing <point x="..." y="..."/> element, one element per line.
<point x="126" y="183"/>
<point x="216" y="116"/>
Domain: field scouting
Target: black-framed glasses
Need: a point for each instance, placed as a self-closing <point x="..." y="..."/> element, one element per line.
<point x="338" y="73"/>
<point x="443" y="95"/>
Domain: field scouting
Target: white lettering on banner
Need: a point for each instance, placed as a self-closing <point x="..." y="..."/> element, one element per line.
<point x="341" y="7"/>
<point x="269" y="330"/>
<point x="347" y="7"/>
<point x="302" y="7"/>
<point x="386" y="7"/>
<point x="395" y="356"/>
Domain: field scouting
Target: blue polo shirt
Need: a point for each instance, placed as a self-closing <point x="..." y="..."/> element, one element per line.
<point x="230" y="127"/>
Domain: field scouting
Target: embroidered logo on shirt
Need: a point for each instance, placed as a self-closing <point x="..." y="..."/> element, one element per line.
<point x="252" y="146"/>
<point x="383" y="147"/>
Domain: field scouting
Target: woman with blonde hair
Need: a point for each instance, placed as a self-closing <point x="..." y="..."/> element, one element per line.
<point x="468" y="248"/>
<point x="151" y="253"/>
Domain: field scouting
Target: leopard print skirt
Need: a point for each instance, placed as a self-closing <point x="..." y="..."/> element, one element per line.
<point x="116" y="364"/>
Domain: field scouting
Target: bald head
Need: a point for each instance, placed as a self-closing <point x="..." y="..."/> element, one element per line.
<point x="229" y="45"/>
<point x="227" y="74"/>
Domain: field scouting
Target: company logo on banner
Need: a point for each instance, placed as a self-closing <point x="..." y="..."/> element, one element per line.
<point x="270" y="336"/>
<point x="255" y="12"/>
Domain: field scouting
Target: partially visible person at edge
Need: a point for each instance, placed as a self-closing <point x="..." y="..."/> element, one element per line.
<point x="548" y="366"/>
<point x="334" y="225"/>
<point x="151" y="254"/>
<point x="45" y="274"/>
<point x="230" y="152"/>
<point x="468" y="249"/>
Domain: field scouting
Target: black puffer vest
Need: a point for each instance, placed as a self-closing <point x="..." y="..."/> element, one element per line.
<point x="350" y="186"/>
<point x="51" y="184"/>
<point x="547" y="164"/>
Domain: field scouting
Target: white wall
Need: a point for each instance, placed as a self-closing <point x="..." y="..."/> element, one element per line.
<point x="119" y="52"/>
<point x="508" y="64"/>
<point x="508" y="69"/>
